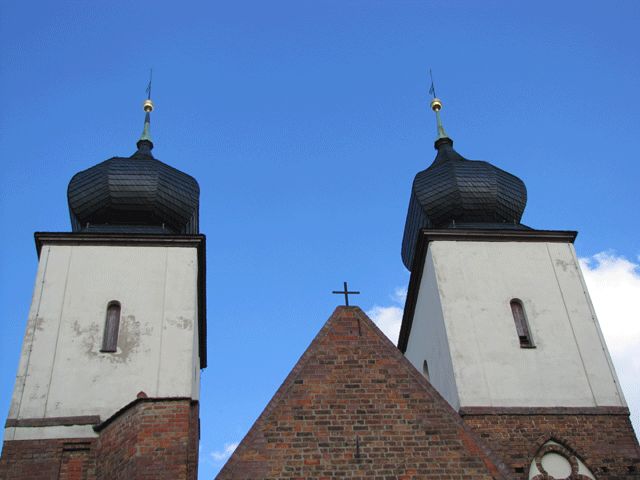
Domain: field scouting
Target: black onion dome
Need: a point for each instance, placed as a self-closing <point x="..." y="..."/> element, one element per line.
<point x="134" y="194"/>
<point x="458" y="193"/>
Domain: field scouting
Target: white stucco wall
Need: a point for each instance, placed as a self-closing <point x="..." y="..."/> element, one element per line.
<point x="470" y="320"/>
<point x="428" y="339"/>
<point x="62" y="371"/>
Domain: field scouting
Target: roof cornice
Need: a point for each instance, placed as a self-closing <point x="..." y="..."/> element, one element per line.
<point x="117" y="238"/>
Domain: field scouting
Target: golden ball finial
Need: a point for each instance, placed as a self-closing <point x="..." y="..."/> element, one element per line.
<point x="436" y="104"/>
<point x="147" y="106"/>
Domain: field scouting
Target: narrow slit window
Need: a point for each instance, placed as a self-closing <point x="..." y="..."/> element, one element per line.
<point x="522" y="327"/>
<point x="111" y="326"/>
<point x="425" y="369"/>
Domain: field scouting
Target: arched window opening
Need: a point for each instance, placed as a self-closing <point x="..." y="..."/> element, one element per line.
<point x="425" y="369"/>
<point x="522" y="326"/>
<point x="111" y="326"/>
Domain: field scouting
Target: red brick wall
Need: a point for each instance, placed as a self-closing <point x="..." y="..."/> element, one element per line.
<point x="77" y="462"/>
<point x="149" y="439"/>
<point x="68" y="459"/>
<point x="606" y="443"/>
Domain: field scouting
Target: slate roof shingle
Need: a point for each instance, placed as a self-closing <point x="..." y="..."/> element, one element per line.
<point x="454" y="191"/>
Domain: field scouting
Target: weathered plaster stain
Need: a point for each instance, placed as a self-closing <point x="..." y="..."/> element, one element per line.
<point x="128" y="340"/>
<point x="563" y="264"/>
<point x="182" y="323"/>
<point x="40" y="322"/>
<point x="129" y="337"/>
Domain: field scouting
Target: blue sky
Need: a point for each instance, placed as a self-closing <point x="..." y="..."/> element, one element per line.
<point x="304" y="123"/>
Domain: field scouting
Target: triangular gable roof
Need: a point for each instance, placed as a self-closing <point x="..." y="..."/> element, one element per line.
<point x="353" y="406"/>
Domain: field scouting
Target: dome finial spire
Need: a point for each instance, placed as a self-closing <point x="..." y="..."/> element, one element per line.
<point x="436" y="105"/>
<point x="147" y="106"/>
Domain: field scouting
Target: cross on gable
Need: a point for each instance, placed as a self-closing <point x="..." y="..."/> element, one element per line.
<point x="346" y="293"/>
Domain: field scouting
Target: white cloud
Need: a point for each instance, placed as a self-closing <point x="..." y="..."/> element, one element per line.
<point x="221" y="455"/>
<point x="400" y="295"/>
<point x="614" y="286"/>
<point x="388" y="319"/>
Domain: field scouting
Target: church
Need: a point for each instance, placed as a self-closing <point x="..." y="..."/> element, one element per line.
<point x="500" y="371"/>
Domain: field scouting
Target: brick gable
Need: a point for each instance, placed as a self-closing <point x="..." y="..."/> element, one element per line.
<point x="354" y="407"/>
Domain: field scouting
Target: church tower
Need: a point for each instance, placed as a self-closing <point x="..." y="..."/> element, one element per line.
<point x="108" y="380"/>
<point x="499" y="320"/>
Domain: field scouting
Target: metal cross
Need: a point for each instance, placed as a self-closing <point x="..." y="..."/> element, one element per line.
<point x="346" y="293"/>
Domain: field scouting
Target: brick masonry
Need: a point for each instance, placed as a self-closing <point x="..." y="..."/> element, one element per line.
<point x="148" y="439"/>
<point x="66" y="459"/>
<point x="354" y="407"/>
<point x="605" y="442"/>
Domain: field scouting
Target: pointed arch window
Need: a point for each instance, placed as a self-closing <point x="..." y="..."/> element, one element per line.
<point x="111" y="327"/>
<point x="522" y="326"/>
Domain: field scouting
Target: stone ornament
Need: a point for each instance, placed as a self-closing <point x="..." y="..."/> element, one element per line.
<point x="556" y="462"/>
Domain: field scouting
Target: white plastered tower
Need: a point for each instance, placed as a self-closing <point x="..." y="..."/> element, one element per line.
<point x="118" y="309"/>
<point x="497" y="314"/>
<point x="66" y="381"/>
<point x="463" y="334"/>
